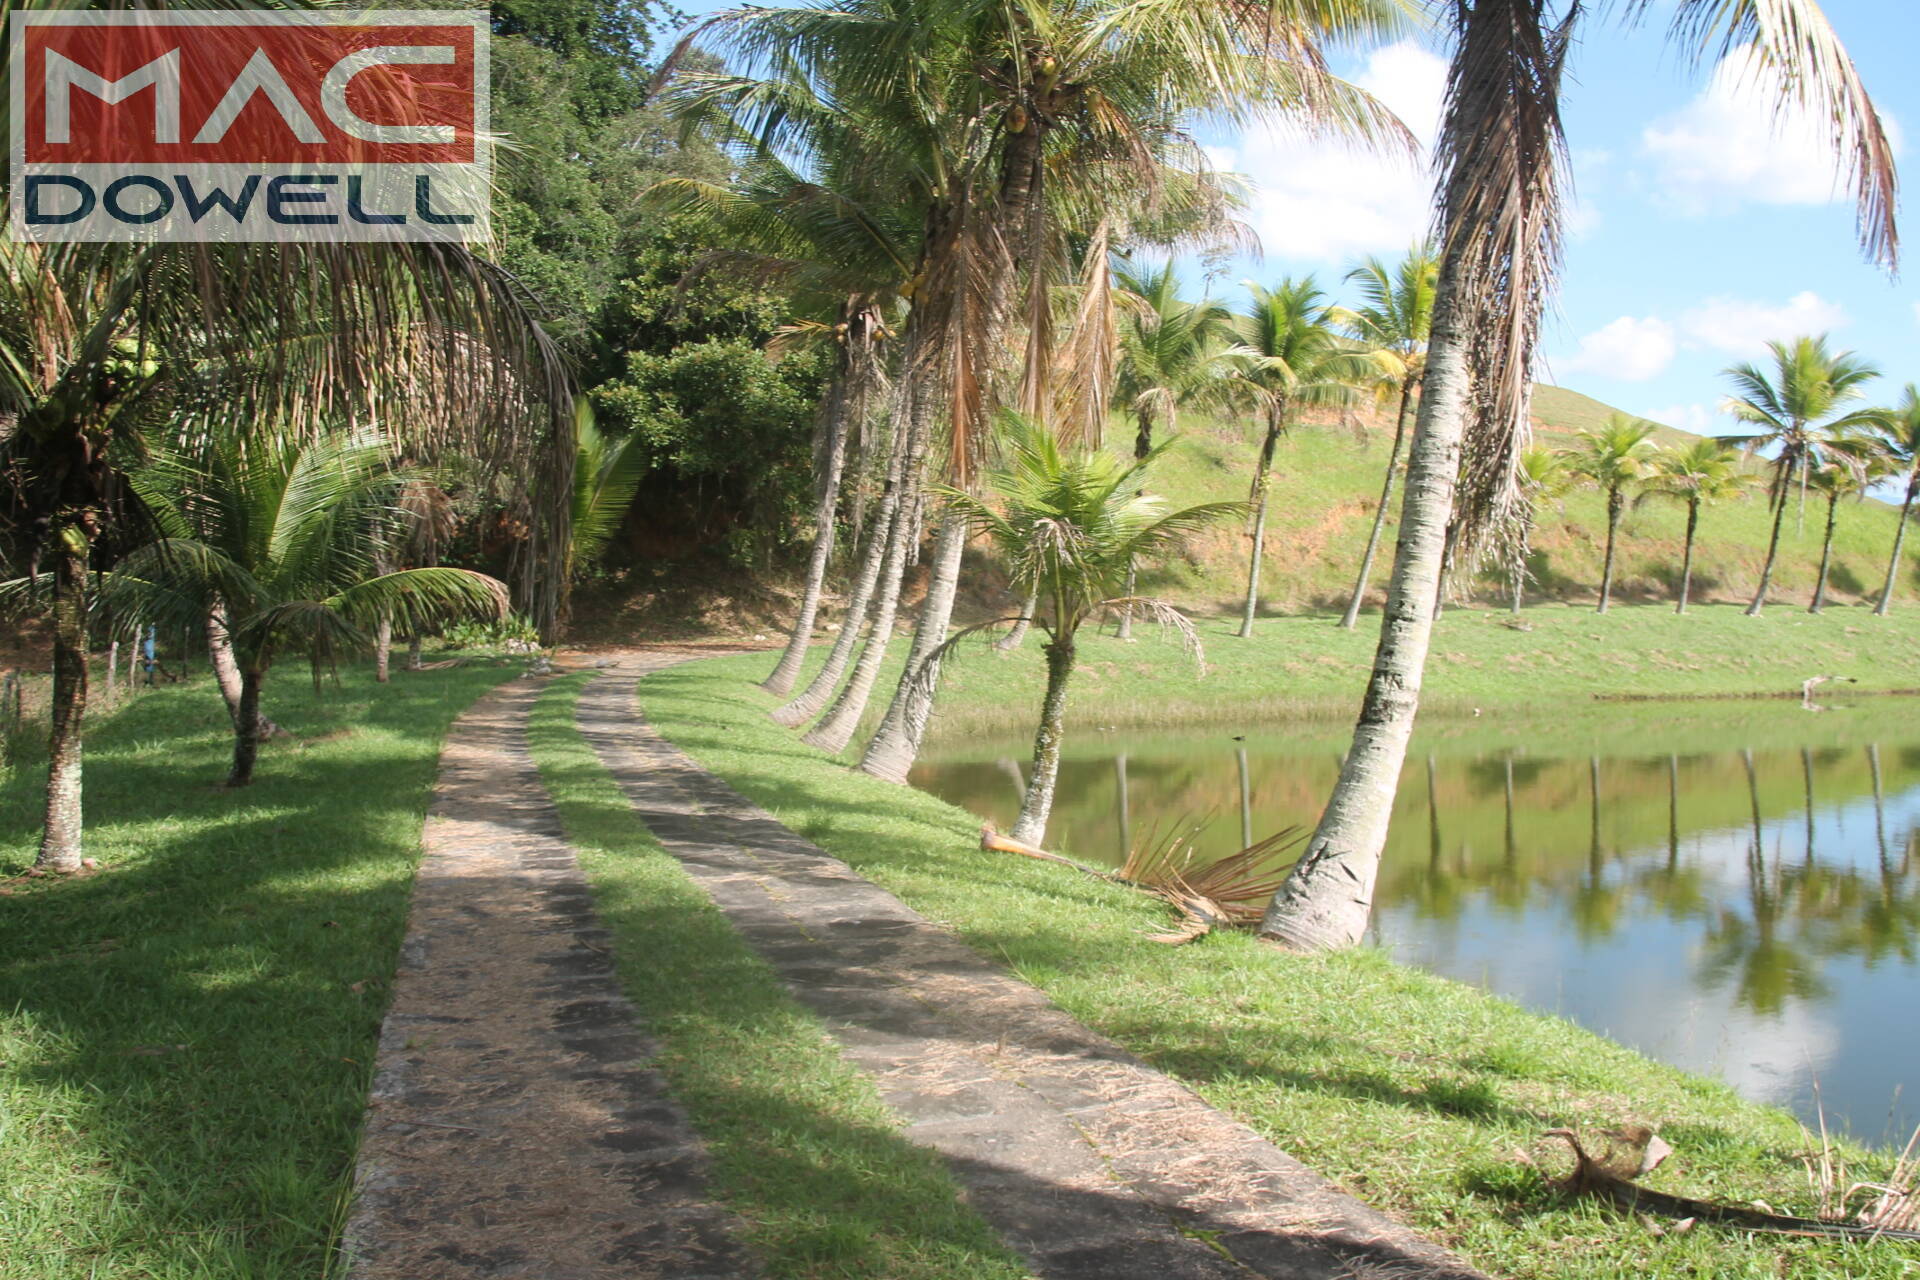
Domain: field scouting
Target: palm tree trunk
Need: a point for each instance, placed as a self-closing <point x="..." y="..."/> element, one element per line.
<point x="1352" y="614"/>
<point x="897" y="743"/>
<point x="1037" y="805"/>
<point x="1899" y="541"/>
<point x="226" y="670"/>
<point x="1773" y="550"/>
<point x="1142" y="446"/>
<point x="1826" y="556"/>
<point x="382" y="643"/>
<point x="1018" y="636"/>
<point x="1328" y="896"/>
<point x="803" y="707"/>
<point x="413" y="652"/>
<point x="246" y="731"/>
<point x="825" y="508"/>
<point x="1276" y="416"/>
<point x="1615" y="500"/>
<point x="837" y="727"/>
<point x="1686" y="556"/>
<point x="60" y="839"/>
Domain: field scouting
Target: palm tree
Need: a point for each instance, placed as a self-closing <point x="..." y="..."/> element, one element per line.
<point x="1540" y="473"/>
<point x="1614" y="456"/>
<point x="1900" y="428"/>
<point x="1500" y="154"/>
<point x="1394" y="321"/>
<point x="843" y="238"/>
<point x="1851" y="468"/>
<point x="1073" y="521"/>
<point x="606" y="474"/>
<point x="1797" y="410"/>
<point x="287" y="534"/>
<point x="1288" y="356"/>
<point x="108" y="344"/>
<point x="1702" y="474"/>
<point x="996" y="105"/>
<point x="1169" y="358"/>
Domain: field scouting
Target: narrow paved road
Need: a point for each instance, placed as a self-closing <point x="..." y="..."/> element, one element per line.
<point x="516" y="1130"/>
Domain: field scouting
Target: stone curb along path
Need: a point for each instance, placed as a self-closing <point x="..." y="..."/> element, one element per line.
<point x="515" y="1128"/>
<point x="1087" y="1161"/>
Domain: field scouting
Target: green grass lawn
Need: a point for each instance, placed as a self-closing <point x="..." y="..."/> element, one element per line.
<point x="804" y="1150"/>
<point x="186" y="1036"/>
<point x="1561" y="655"/>
<point x="1414" y="1091"/>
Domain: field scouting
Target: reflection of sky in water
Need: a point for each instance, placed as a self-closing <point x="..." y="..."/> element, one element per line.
<point x="1770" y="989"/>
<point x="1643" y="985"/>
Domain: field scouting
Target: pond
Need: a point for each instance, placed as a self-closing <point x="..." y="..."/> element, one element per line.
<point x="1732" y="888"/>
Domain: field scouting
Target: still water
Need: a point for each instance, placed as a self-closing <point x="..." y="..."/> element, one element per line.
<point x="1731" y="888"/>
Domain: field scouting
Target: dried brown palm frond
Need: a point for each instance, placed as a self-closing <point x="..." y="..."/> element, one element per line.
<point x="1502" y="157"/>
<point x="1239" y="885"/>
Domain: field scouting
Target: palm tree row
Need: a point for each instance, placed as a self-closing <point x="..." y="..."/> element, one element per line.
<point x="1025" y="141"/>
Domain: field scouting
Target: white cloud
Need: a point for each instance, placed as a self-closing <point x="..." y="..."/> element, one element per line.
<point x="1698" y="418"/>
<point x="1728" y="146"/>
<point x="1319" y="198"/>
<point x="1629" y="349"/>
<point x="1744" y="327"/>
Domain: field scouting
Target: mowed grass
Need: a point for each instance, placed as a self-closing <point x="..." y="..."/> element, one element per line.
<point x="186" y="1036"/>
<point x="1416" y="1092"/>
<point x="1307" y="666"/>
<point x="805" y="1151"/>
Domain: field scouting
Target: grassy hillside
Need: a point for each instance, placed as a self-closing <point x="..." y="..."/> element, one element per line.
<point x="1328" y="481"/>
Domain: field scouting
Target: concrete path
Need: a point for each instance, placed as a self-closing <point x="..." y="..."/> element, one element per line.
<point x="515" y="1129"/>
<point x="1089" y="1162"/>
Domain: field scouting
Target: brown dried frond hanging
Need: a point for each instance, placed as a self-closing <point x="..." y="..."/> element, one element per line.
<point x="1503" y="183"/>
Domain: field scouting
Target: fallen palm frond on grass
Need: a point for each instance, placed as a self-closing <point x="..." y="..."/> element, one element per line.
<point x="1635" y="1151"/>
<point x="1227" y="892"/>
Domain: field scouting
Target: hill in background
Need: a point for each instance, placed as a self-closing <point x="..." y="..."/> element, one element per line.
<point x="1327" y="482"/>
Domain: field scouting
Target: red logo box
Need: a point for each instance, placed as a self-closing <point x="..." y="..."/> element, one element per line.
<point x="249" y="125"/>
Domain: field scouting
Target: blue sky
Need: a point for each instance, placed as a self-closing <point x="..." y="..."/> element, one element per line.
<point x="1700" y="229"/>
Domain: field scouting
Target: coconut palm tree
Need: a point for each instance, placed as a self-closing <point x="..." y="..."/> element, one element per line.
<point x="1500" y="156"/>
<point x="1073" y="521"/>
<point x="1394" y="322"/>
<point x="843" y="238"/>
<point x="1797" y="410"/>
<point x="1900" y="429"/>
<point x="1170" y="352"/>
<point x="1540" y="473"/>
<point x="1852" y="467"/>
<point x="606" y="474"/>
<point x="109" y="345"/>
<point x="287" y="534"/>
<point x="1287" y="356"/>
<point x="1614" y="457"/>
<point x="1703" y="474"/>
